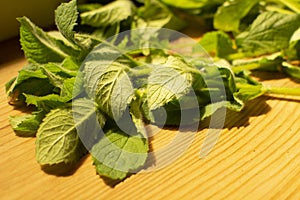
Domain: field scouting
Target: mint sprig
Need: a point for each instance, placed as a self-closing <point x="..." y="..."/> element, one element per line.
<point x="98" y="99"/>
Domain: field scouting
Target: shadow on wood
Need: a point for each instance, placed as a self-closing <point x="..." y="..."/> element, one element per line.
<point x="63" y="169"/>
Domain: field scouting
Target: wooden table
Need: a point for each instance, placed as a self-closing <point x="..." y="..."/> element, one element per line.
<point x="257" y="156"/>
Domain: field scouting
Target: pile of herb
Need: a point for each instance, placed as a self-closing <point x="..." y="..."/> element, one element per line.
<point x="72" y="87"/>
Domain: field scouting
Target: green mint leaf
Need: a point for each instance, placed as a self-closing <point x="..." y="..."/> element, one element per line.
<point x="95" y="66"/>
<point x="89" y="121"/>
<point x="107" y="82"/>
<point x="270" y="32"/>
<point x="168" y="82"/>
<point x="26" y="125"/>
<point x="70" y="65"/>
<point x="117" y="154"/>
<point x="57" y="139"/>
<point x="114" y="90"/>
<point x="109" y="14"/>
<point x="54" y="79"/>
<point x="38" y="46"/>
<point x="230" y="14"/>
<point x="178" y="112"/>
<point x="296" y="36"/>
<point x="271" y="63"/>
<point x="208" y="110"/>
<point x="244" y="77"/>
<point x="156" y="14"/>
<point x="65" y="70"/>
<point x="217" y="43"/>
<point x="293" y="51"/>
<point x="46" y="103"/>
<point x="247" y="92"/>
<point x="72" y="87"/>
<point x="292" y="4"/>
<point x="27" y="72"/>
<point x="30" y="80"/>
<point x="247" y="87"/>
<point x="69" y="46"/>
<point x="68" y="87"/>
<point x="66" y="19"/>
<point x="107" y="32"/>
<point x="85" y="7"/>
<point x="211" y="108"/>
<point x="291" y="70"/>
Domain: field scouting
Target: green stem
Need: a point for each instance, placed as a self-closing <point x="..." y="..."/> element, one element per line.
<point x="250" y="66"/>
<point x="280" y="10"/>
<point x="236" y="56"/>
<point x="283" y="91"/>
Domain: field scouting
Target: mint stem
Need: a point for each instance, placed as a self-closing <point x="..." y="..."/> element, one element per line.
<point x="236" y="56"/>
<point x="283" y="91"/>
<point x="250" y="66"/>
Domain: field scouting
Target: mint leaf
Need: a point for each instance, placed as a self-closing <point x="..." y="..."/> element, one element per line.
<point x="114" y="90"/>
<point x="26" y="125"/>
<point x="89" y="121"/>
<point x="270" y="32"/>
<point x="292" y="4"/>
<point x="85" y="7"/>
<point x="47" y="102"/>
<point x="217" y="43"/>
<point x="70" y="66"/>
<point x="72" y="87"/>
<point x="106" y="80"/>
<point x="269" y="63"/>
<point x="57" y="138"/>
<point x="27" y="72"/>
<point x="40" y="47"/>
<point x="54" y="79"/>
<point x="156" y="14"/>
<point x="293" y="51"/>
<point x="95" y="65"/>
<point x="210" y="109"/>
<point x="30" y="80"/>
<point x="247" y="87"/>
<point x="66" y="19"/>
<point x="230" y="14"/>
<point x="109" y="14"/>
<point x="178" y="112"/>
<point x="248" y="92"/>
<point x="292" y="70"/>
<point x="168" y="82"/>
<point x="66" y="69"/>
<point x="117" y="154"/>
<point x="68" y="87"/>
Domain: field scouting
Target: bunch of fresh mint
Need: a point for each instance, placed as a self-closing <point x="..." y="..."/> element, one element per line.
<point x="105" y="95"/>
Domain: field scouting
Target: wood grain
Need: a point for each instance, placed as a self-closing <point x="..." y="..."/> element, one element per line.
<point x="257" y="157"/>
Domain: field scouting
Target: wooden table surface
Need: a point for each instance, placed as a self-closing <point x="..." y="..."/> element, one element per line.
<point x="257" y="156"/>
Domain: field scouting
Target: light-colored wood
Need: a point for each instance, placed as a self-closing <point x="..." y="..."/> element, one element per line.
<point x="257" y="157"/>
